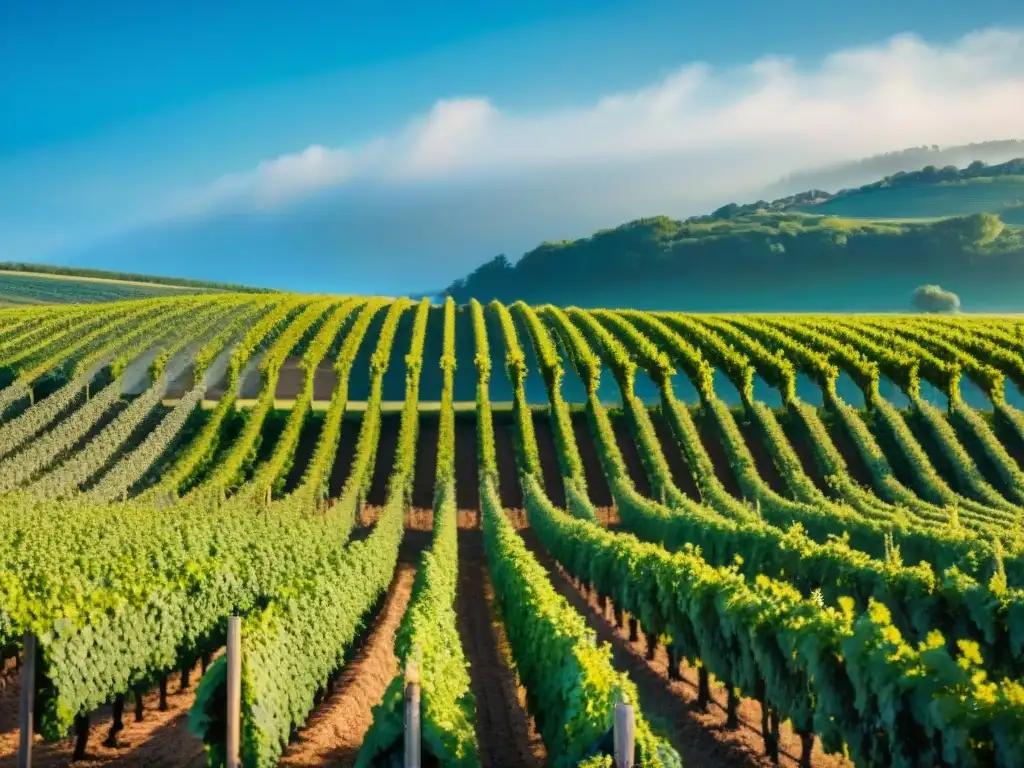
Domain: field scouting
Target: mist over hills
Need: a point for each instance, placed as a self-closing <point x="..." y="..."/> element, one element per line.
<point x="862" y="249"/>
<point x="365" y="238"/>
<point x="857" y="173"/>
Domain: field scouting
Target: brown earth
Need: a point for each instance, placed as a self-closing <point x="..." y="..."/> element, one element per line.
<point x="467" y="491"/>
<point x="508" y="472"/>
<point x="334" y="733"/>
<point x="701" y="738"/>
<point x="387" y="444"/>
<point x="762" y="457"/>
<point x="304" y="450"/>
<point x="344" y="455"/>
<point x="597" y="484"/>
<point x="855" y="464"/>
<point x="505" y="731"/>
<point x="805" y="452"/>
<point x="677" y="463"/>
<point x="631" y="455"/>
<point x="548" y="451"/>
<point x="161" y="740"/>
<point x="426" y="463"/>
<point x="712" y="440"/>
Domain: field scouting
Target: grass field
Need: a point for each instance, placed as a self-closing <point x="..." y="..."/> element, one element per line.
<point x="780" y="538"/>
<point x="39" y="288"/>
<point x="930" y="202"/>
<point x="24" y="284"/>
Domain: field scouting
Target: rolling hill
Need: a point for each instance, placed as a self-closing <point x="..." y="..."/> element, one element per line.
<point x="865" y="170"/>
<point x="861" y="249"/>
<point x="932" y="193"/>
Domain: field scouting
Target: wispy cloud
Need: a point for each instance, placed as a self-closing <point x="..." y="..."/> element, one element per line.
<point x="774" y="112"/>
<point x="418" y="207"/>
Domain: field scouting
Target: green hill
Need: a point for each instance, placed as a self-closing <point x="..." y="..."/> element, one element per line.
<point x="26" y="283"/>
<point x="865" y="170"/>
<point x="932" y="193"/>
<point x="863" y="249"/>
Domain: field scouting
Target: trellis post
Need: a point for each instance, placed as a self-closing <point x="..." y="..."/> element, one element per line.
<point x="234" y="662"/>
<point x="412" y="716"/>
<point x="26" y="732"/>
<point x="625" y="739"/>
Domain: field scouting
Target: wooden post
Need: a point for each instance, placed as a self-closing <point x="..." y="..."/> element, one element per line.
<point x="234" y="661"/>
<point x="412" y="717"/>
<point x="625" y="740"/>
<point x="26" y="733"/>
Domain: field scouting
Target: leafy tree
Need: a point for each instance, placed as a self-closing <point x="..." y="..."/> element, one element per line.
<point x="931" y="298"/>
<point x="974" y="231"/>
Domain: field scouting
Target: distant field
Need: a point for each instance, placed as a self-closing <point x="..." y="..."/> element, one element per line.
<point x="30" y="288"/>
<point x="23" y="283"/>
<point x="930" y="202"/>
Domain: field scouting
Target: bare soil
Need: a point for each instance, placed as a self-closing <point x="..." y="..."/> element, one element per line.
<point x="855" y="464"/>
<point x="387" y="444"/>
<point x="670" y="705"/>
<point x="426" y="463"/>
<point x="304" y="450"/>
<point x="343" y="456"/>
<point x="506" y="733"/>
<point x="712" y="441"/>
<point x="634" y="464"/>
<point x="805" y="452"/>
<point x="548" y="451"/>
<point x="508" y="472"/>
<point x="467" y="490"/>
<point x="677" y="463"/>
<point x="162" y="739"/>
<point x="597" y="484"/>
<point x="335" y="732"/>
<point x="762" y="458"/>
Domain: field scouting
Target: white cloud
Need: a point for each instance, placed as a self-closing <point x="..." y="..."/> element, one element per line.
<point x="280" y="180"/>
<point x="416" y="208"/>
<point x="773" y="112"/>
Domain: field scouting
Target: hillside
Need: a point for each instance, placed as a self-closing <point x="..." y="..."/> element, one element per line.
<point x="862" y="249"/>
<point x="932" y="193"/>
<point x="866" y="170"/>
<point x="29" y="283"/>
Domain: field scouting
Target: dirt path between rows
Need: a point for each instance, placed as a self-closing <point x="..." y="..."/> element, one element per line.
<point x="700" y="737"/>
<point x="682" y="476"/>
<point x="506" y="733"/>
<point x="161" y="740"/>
<point x="334" y="733"/>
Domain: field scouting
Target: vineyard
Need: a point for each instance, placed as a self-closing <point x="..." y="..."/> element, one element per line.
<point x="781" y="539"/>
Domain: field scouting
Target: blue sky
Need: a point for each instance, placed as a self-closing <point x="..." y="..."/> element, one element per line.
<point x="119" y="120"/>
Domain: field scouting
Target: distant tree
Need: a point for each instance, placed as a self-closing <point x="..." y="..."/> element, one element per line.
<point x="931" y="298"/>
<point x="726" y="211"/>
<point x="989" y="227"/>
<point x="974" y="230"/>
<point x="486" y="280"/>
